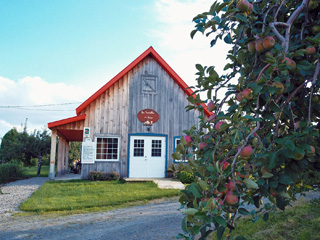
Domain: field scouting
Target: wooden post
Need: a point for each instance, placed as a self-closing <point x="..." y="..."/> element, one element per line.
<point x="53" y="153"/>
<point x="63" y="154"/>
<point x="66" y="165"/>
<point x="60" y="150"/>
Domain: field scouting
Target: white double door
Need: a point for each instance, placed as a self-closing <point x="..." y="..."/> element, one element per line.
<point x="147" y="157"/>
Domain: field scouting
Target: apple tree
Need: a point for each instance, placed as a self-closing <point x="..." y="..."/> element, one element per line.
<point x="260" y="146"/>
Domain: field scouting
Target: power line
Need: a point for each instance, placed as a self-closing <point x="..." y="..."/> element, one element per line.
<point x="36" y="107"/>
<point x="43" y="105"/>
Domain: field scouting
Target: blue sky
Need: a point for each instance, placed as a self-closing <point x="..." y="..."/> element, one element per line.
<point x="62" y="51"/>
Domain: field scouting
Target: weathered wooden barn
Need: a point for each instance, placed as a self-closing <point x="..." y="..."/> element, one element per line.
<point x="132" y="122"/>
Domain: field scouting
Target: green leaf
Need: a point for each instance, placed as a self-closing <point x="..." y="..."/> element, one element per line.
<point x="285" y="179"/>
<point x="250" y="184"/>
<point x="241" y="17"/>
<point x="190" y="211"/>
<point x="176" y="156"/>
<point x="273" y="157"/>
<point x="220" y="232"/>
<point x="196" y="191"/>
<point x="193" y="32"/>
<point x="274" y="107"/>
<point x="183" y="140"/>
<point x="184" y="224"/>
<point x="243" y="211"/>
<point x="267" y="175"/>
<point x="221" y="221"/>
<point x="227" y="39"/>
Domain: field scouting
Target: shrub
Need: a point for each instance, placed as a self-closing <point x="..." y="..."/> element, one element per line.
<point x="102" y="176"/>
<point x="10" y="171"/>
<point x="96" y="176"/>
<point x="174" y="170"/>
<point x="113" y="176"/>
<point x="186" y="177"/>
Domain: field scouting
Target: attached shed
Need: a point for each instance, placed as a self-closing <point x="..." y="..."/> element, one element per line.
<point x="133" y="121"/>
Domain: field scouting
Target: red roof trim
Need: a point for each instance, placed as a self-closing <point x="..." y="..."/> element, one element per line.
<point x="161" y="62"/>
<point x="66" y="121"/>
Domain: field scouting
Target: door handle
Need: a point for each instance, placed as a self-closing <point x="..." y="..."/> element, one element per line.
<point x="145" y="158"/>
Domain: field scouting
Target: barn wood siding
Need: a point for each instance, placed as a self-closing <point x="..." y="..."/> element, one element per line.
<point x="108" y="116"/>
<point x="169" y="102"/>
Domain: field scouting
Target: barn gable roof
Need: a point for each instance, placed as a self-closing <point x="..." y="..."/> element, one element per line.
<point x="149" y="52"/>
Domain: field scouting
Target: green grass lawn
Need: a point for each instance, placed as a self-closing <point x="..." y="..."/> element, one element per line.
<point x="300" y="222"/>
<point x="86" y="196"/>
<point x="32" y="171"/>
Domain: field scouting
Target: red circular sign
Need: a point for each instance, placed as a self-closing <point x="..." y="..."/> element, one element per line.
<point x="148" y="116"/>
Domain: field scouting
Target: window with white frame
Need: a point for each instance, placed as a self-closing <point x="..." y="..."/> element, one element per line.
<point x="188" y="150"/>
<point x="107" y="148"/>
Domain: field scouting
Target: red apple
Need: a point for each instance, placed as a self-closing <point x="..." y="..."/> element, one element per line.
<point x="231" y="199"/>
<point x="202" y="145"/>
<point x="259" y="46"/>
<point x="289" y="62"/>
<point x="268" y="42"/>
<point x="231" y="186"/>
<point x="247" y="93"/>
<point x="311" y="50"/>
<point x="225" y="165"/>
<point x="246" y="151"/>
<point x="313" y="151"/>
<point x="210" y="106"/>
<point x="279" y="86"/>
<point x="243" y="5"/>
<point x="240" y="97"/>
<point x="187" y="138"/>
<point x="251" y="46"/>
<point x="218" y="125"/>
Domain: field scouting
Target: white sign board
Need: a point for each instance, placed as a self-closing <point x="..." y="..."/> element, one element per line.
<point x="88" y="152"/>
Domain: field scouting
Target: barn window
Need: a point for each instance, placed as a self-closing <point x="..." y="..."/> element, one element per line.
<point x="189" y="152"/>
<point x="107" y="148"/>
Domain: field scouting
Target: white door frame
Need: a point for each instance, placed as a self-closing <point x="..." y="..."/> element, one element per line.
<point x="164" y="148"/>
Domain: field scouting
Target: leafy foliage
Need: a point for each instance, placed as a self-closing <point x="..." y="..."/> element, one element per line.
<point x="262" y="140"/>
<point x="22" y="146"/>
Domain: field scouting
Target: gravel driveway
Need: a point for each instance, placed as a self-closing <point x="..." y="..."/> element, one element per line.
<point x="155" y="221"/>
<point x="160" y="220"/>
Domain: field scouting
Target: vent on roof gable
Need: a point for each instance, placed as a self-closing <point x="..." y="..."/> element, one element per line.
<point x="149" y="83"/>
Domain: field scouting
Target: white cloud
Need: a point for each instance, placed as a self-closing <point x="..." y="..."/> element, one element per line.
<point x="31" y="91"/>
<point x="173" y="35"/>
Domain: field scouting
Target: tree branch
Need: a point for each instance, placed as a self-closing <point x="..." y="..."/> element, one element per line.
<point x="314" y="79"/>
<point x="293" y="17"/>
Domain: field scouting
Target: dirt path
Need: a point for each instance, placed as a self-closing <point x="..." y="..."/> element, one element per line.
<point x="152" y="221"/>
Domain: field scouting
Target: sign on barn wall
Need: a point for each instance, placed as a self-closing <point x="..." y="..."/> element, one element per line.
<point x="148" y="116"/>
<point x="88" y="152"/>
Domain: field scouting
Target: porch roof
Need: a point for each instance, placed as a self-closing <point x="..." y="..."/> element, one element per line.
<point x="71" y="134"/>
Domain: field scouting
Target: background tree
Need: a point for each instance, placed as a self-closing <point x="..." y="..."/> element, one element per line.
<point x="21" y="146"/>
<point x="262" y="139"/>
<point x="9" y="146"/>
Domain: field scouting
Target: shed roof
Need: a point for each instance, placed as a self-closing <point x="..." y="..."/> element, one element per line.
<point x="150" y="51"/>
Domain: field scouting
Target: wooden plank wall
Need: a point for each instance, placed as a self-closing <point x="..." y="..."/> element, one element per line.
<point x="169" y="102"/>
<point x="108" y="116"/>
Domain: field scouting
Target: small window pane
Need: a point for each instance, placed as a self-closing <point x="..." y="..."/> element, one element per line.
<point x="138" y="149"/>
<point x="156" y="148"/>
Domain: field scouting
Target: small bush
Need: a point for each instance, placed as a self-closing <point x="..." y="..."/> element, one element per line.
<point x="186" y="177"/>
<point x="10" y="171"/>
<point x="96" y="176"/>
<point x="113" y="176"/>
<point x="102" y="176"/>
